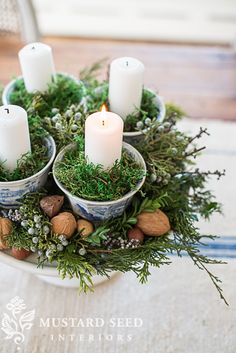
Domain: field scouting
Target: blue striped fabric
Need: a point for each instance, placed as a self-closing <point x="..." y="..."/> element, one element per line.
<point x="223" y="247"/>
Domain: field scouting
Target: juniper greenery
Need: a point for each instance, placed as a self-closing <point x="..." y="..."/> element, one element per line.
<point x="173" y="183"/>
<point x="91" y="182"/>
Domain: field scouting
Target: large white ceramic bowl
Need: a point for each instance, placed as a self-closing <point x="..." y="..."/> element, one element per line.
<point x="49" y="272"/>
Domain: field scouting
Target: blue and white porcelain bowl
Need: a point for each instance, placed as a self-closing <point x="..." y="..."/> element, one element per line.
<point x="135" y="136"/>
<point x="9" y="88"/>
<point x="12" y="192"/>
<point x="97" y="211"/>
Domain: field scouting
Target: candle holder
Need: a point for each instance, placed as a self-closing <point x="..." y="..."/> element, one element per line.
<point x="10" y="87"/>
<point x="100" y="210"/>
<point x="133" y="137"/>
<point x="49" y="273"/>
<point x="12" y="192"/>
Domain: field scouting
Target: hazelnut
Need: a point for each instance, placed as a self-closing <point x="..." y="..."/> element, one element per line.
<point x="20" y="254"/>
<point x="136" y="234"/>
<point x="84" y="227"/>
<point x="64" y="223"/>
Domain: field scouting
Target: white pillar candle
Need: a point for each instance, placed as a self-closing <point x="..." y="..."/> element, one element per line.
<point x="125" y="85"/>
<point x="103" y="138"/>
<point x="37" y="66"/>
<point x="14" y="135"/>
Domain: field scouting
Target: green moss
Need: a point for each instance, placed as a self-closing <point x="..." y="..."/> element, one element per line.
<point x="60" y="94"/>
<point x="33" y="162"/>
<point x="91" y="182"/>
<point x="29" y="164"/>
<point x="148" y="110"/>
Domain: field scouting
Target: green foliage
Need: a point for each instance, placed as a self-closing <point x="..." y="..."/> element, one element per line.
<point x="98" y="235"/>
<point x="148" y="109"/>
<point x="60" y="94"/>
<point x="72" y="265"/>
<point x="173" y="184"/>
<point x="30" y="163"/>
<point x="91" y="182"/>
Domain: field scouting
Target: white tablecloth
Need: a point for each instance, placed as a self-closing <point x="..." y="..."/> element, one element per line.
<point x="179" y="310"/>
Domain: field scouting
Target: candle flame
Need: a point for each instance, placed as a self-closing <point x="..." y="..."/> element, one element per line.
<point x="104" y="108"/>
<point x="103" y="113"/>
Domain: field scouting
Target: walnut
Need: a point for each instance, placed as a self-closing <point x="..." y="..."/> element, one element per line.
<point x="5" y="230"/>
<point x="153" y="223"/>
<point x="64" y="223"/>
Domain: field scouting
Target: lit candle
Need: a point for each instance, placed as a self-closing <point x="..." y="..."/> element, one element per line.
<point x="125" y="85"/>
<point x="37" y="66"/>
<point x="14" y="135"/>
<point x="103" y="138"/>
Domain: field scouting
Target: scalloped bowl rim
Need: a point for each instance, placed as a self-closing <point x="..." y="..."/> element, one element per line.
<point x="9" y="87"/>
<point x="160" y="117"/>
<point x="102" y="203"/>
<point x="40" y="172"/>
<point x="28" y="265"/>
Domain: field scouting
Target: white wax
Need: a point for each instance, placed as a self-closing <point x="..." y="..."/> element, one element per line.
<point x="37" y="66"/>
<point x="103" y="138"/>
<point x="14" y="135"/>
<point x="125" y="85"/>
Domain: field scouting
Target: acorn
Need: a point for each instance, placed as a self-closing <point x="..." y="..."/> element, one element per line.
<point x="51" y="205"/>
<point x="153" y="223"/>
<point x="84" y="227"/>
<point x="64" y="223"/>
<point x="136" y="234"/>
<point x="6" y="227"/>
<point x="20" y="254"/>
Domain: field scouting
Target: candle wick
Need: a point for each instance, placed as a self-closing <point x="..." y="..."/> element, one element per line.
<point x="103" y="123"/>
<point x="7" y="110"/>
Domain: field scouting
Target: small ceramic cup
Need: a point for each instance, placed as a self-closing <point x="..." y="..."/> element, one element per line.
<point x="135" y="136"/>
<point x="96" y="211"/>
<point x="12" y="192"/>
<point x="9" y="88"/>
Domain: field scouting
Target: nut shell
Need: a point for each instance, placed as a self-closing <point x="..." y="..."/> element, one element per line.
<point x="64" y="223"/>
<point x="20" y="254"/>
<point x="3" y="245"/>
<point x="153" y="223"/>
<point x="6" y="227"/>
<point x="136" y="234"/>
<point x="84" y="227"/>
<point x="51" y="205"/>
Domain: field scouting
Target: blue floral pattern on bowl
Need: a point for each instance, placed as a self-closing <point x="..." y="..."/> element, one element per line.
<point x="12" y="192"/>
<point x="96" y="211"/>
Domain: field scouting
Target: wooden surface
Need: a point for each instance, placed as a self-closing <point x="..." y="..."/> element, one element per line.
<point x="201" y="79"/>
